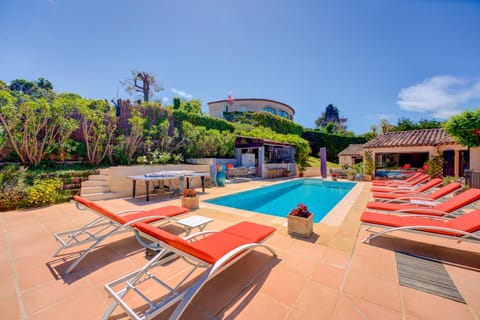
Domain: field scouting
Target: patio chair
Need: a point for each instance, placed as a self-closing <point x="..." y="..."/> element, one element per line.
<point x="432" y="208"/>
<point x="397" y="181"/>
<point x="420" y="194"/>
<point x="107" y="224"/>
<point x="212" y="251"/>
<point x="463" y="228"/>
<point x="411" y="185"/>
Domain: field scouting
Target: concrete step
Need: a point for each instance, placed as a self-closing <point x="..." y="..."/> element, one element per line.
<point x="96" y="189"/>
<point x="95" y="183"/>
<point x="106" y="195"/>
<point x="100" y="177"/>
<point x="104" y="172"/>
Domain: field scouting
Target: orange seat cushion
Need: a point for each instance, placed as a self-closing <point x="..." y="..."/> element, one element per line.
<point x="213" y="247"/>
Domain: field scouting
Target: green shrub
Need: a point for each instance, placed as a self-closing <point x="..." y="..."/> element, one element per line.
<point x="332" y="142"/>
<point x="44" y="192"/>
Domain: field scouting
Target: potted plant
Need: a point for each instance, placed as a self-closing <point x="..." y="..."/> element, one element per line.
<point x="368" y="165"/>
<point x="302" y="165"/>
<point x="334" y="176"/>
<point x="189" y="199"/>
<point x="351" y="173"/>
<point x="300" y="221"/>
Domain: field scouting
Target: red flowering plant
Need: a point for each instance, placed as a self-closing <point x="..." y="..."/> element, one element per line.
<point x="300" y="211"/>
<point x="335" y="175"/>
<point x="189" y="193"/>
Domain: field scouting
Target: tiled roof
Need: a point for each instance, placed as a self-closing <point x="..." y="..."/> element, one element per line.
<point x="352" y="150"/>
<point x="426" y="137"/>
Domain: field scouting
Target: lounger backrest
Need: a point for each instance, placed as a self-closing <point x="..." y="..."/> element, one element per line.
<point x="469" y="222"/>
<point x="459" y="201"/>
<point x="413" y="177"/>
<point x="99" y="209"/>
<point x="418" y="180"/>
<point x="430" y="184"/>
<point x="443" y="191"/>
<point x="174" y="241"/>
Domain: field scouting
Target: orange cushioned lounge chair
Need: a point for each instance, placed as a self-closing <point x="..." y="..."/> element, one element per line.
<point x="422" y="195"/>
<point x="430" y="207"/>
<point x="396" y="181"/>
<point x="422" y="188"/>
<point x="109" y="223"/>
<point x="412" y="185"/>
<point x="212" y="251"/>
<point x="463" y="228"/>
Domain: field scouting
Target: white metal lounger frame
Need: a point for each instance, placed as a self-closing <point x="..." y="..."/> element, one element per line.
<point x="104" y="228"/>
<point x="466" y="236"/>
<point x="132" y="280"/>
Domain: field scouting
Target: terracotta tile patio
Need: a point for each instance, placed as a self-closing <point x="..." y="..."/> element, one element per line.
<point x="332" y="275"/>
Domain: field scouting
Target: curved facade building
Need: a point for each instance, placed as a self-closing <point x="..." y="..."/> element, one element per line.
<point x="221" y="107"/>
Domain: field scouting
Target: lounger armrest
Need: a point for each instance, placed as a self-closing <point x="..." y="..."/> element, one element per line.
<point x="198" y="234"/>
<point x="439" y="212"/>
<point x="123" y="212"/>
<point x="407" y="199"/>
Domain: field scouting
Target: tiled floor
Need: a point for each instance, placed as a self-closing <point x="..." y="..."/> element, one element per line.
<point x="332" y="275"/>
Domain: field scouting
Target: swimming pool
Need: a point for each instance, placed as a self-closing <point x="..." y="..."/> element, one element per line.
<point x="278" y="200"/>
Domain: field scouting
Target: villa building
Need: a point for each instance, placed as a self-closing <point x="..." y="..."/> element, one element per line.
<point x="223" y="108"/>
<point x="415" y="147"/>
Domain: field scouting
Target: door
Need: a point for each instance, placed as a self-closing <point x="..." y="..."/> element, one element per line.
<point x="449" y="163"/>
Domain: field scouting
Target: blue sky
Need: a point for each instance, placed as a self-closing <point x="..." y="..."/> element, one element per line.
<point x="372" y="59"/>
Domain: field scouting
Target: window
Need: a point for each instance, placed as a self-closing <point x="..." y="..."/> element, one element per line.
<point x="270" y="109"/>
<point x="282" y="113"/>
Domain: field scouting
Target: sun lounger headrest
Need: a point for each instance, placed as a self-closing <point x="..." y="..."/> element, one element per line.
<point x="96" y="207"/>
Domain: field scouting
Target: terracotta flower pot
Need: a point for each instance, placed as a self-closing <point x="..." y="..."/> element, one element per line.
<point x="191" y="203"/>
<point x="300" y="226"/>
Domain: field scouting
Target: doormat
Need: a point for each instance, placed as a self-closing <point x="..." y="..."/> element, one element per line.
<point x="426" y="275"/>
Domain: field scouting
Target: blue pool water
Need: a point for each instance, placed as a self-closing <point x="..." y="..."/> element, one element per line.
<point x="278" y="200"/>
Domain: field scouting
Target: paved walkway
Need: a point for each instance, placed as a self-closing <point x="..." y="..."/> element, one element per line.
<point x="332" y="275"/>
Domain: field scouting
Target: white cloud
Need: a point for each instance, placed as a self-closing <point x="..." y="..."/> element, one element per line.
<point x="440" y="96"/>
<point x="182" y="94"/>
<point x="165" y="99"/>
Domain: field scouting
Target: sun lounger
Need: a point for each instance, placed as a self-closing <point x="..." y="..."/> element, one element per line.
<point x="213" y="251"/>
<point x="422" y="188"/>
<point x="108" y="223"/>
<point x="402" y="197"/>
<point x="431" y="207"/>
<point x="463" y="228"/>
<point x="397" y="181"/>
<point x="412" y="185"/>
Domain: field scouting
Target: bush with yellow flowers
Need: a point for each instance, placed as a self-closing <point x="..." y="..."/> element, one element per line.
<point x="44" y="192"/>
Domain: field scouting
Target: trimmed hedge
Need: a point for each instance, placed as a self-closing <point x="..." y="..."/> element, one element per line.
<point x="204" y="121"/>
<point x="267" y="120"/>
<point x="333" y="143"/>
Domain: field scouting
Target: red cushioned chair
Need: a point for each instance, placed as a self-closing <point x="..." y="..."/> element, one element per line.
<point x="419" y="189"/>
<point x="397" y="181"/>
<point x="213" y="251"/>
<point x="432" y="208"/>
<point x="463" y="228"/>
<point x="411" y="185"/>
<point x="421" y="195"/>
<point x="109" y="223"/>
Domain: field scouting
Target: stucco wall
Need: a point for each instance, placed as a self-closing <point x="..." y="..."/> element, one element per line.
<point x="475" y="159"/>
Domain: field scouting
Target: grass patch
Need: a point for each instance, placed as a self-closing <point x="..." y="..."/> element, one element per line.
<point x="314" y="162"/>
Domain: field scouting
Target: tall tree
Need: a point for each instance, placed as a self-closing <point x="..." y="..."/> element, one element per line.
<point x="33" y="125"/>
<point x="142" y="82"/>
<point x="465" y="128"/>
<point x="331" y="115"/>
<point x="98" y="123"/>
